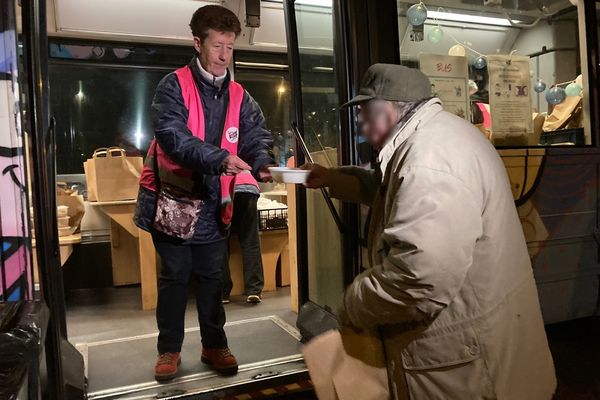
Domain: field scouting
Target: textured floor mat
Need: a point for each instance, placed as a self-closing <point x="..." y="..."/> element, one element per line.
<point x="130" y="361"/>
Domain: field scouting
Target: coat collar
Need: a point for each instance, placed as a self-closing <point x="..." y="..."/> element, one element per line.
<point x="404" y="129"/>
<point x="205" y="83"/>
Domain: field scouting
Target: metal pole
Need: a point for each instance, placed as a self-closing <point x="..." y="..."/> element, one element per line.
<point x="43" y="187"/>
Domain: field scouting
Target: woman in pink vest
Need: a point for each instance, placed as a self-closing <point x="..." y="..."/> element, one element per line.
<point x="209" y="135"/>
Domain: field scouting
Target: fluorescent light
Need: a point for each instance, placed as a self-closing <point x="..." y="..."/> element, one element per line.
<point x="260" y="65"/>
<point x="319" y="3"/>
<point x="475" y="19"/>
<point x="325" y="69"/>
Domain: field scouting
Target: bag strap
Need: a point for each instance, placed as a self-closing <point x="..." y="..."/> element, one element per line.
<point x="155" y="166"/>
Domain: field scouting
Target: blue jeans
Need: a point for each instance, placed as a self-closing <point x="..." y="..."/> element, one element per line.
<point x="181" y="263"/>
<point x="245" y="223"/>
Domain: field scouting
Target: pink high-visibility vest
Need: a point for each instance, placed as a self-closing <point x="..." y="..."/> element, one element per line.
<point x="195" y="123"/>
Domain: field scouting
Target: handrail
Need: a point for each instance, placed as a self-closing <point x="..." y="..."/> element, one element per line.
<point x="326" y="196"/>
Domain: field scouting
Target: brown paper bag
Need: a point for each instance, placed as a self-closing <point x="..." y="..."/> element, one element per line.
<point x="347" y="366"/>
<point x="111" y="175"/>
<point x="74" y="201"/>
<point x="562" y="114"/>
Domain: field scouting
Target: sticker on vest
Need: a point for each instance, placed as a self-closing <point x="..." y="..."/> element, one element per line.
<point x="232" y="134"/>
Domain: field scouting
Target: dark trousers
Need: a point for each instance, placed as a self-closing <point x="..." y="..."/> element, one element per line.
<point x="244" y="222"/>
<point x="180" y="264"/>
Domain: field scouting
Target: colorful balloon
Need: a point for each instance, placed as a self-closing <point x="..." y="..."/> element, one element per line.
<point x="480" y="62"/>
<point x="417" y="14"/>
<point x="539" y="86"/>
<point x="573" y="89"/>
<point x="556" y="95"/>
<point x="457" y="50"/>
<point x="435" y="34"/>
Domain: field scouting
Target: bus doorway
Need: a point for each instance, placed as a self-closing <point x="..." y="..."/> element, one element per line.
<point x="98" y="79"/>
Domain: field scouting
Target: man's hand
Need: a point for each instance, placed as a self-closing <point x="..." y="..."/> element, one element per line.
<point x="233" y="165"/>
<point x="264" y="174"/>
<point x="318" y="177"/>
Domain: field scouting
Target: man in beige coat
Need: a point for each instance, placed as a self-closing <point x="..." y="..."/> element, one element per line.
<point x="450" y="287"/>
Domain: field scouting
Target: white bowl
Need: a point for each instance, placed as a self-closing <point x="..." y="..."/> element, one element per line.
<point x="289" y="175"/>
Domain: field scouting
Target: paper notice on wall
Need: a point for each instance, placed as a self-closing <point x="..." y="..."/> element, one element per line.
<point x="449" y="77"/>
<point x="510" y="100"/>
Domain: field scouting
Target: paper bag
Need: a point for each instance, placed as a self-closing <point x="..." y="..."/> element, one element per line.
<point x="347" y="366"/>
<point x="111" y="175"/>
<point x="74" y="201"/>
<point x="562" y="114"/>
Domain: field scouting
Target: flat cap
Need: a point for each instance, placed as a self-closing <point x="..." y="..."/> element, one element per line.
<point x="394" y="83"/>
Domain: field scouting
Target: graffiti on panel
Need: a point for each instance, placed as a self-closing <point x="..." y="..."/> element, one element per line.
<point x="15" y="271"/>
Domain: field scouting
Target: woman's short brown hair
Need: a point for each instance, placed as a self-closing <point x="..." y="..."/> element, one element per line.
<point x="214" y="17"/>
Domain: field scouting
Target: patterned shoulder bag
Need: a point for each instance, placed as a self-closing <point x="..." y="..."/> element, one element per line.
<point x="177" y="211"/>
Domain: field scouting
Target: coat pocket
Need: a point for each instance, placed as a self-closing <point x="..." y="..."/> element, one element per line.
<point x="448" y="366"/>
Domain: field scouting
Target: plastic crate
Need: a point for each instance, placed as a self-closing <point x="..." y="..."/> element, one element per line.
<point x="272" y="219"/>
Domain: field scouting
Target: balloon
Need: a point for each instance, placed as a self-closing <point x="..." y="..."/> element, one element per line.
<point x="435" y="34"/>
<point x="555" y="95"/>
<point x="417" y="14"/>
<point x="573" y="89"/>
<point x="539" y="86"/>
<point x="457" y="50"/>
<point x="480" y="62"/>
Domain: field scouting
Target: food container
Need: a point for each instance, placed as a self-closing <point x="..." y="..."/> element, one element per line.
<point x="65" y="231"/>
<point x="63" y="222"/>
<point x="289" y="175"/>
<point x="62" y="211"/>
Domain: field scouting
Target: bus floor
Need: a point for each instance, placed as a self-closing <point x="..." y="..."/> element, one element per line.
<point x="118" y="341"/>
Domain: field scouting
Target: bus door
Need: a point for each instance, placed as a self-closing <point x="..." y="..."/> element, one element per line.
<point x="331" y="43"/>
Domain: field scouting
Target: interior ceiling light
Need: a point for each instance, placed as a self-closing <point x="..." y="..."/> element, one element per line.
<point x="474" y="19"/>
<point x="325" y="69"/>
<point x="320" y="3"/>
<point x="260" y="65"/>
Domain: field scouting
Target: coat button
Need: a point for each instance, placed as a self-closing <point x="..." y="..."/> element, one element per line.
<point x="473" y="350"/>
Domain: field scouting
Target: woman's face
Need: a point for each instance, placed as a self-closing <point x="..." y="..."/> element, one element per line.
<point x="215" y="52"/>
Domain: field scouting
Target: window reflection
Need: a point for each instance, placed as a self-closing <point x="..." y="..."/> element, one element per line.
<point x="320" y="120"/>
<point x="265" y="77"/>
<point x="101" y="96"/>
<point x="546" y="34"/>
<point x="100" y="107"/>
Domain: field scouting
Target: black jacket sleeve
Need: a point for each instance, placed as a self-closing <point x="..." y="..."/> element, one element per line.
<point x="170" y="115"/>
<point x="256" y="142"/>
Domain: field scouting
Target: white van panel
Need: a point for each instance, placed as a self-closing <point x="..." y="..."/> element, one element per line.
<point x="158" y="21"/>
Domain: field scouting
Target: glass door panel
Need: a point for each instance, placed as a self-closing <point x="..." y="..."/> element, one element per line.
<point x="321" y="125"/>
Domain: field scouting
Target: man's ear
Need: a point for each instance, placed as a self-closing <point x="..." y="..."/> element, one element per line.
<point x="197" y="44"/>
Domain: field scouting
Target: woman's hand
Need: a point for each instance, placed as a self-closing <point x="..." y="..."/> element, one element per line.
<point x="233" y="165"/>
<point x="318" y="177"/>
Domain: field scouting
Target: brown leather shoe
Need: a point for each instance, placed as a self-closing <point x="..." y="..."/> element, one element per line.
<point x="166" y="366"/>
<point x="221" y="360"/>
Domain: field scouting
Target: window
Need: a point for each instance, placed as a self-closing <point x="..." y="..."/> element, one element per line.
<point x="265" y="77"/>
<point x="518" y="73"/>
<point x="101" y="95"/>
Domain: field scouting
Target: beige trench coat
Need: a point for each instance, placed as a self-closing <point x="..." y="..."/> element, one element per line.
<point x="450" y="281"/>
